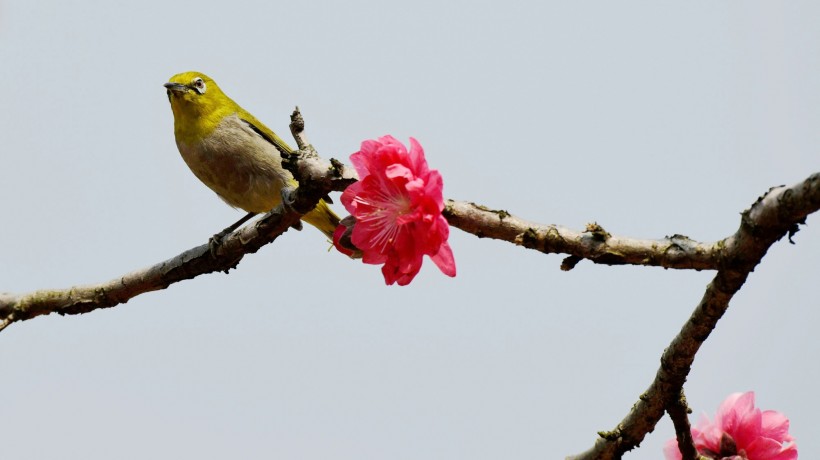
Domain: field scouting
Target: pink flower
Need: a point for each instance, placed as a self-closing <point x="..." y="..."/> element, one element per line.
<point x="740" y="432"/>
<point x="397" y="203"/>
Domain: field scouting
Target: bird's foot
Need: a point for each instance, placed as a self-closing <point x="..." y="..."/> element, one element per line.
<point x="215" y="241"/>
<point x="288" y="198"/>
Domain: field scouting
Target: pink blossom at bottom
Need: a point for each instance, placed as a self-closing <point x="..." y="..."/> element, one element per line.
<point x="740" y="432"/>
<point x="397" y="204"/>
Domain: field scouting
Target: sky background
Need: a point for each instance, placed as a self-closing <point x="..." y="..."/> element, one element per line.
<point x="651" y="118"/>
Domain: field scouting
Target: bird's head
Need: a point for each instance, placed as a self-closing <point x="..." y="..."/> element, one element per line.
<point x="194" y="94"/>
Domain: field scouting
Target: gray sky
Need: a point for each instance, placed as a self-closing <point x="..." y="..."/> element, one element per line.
<point x="651" y="118"/>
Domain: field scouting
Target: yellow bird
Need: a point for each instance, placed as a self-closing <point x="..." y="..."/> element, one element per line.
<point x="232" y="152"/>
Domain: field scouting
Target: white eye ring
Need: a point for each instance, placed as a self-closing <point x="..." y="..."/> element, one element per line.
<point x="199" y="85"/>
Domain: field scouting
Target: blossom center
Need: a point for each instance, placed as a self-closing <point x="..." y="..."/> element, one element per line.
<point x="386" y="213"/>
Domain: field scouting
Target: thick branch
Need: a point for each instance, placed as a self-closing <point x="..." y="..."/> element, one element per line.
<point x="773" y="216"/>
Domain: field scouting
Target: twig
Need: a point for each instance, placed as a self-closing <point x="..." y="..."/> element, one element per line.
<point x="311" y="171"/>
<point x="297" y="129"/>
<point x="678" y="410"/>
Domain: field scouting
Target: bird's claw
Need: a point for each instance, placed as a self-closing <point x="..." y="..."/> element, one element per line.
<point x="288" y="197"/>
<point x="215" y="242"/>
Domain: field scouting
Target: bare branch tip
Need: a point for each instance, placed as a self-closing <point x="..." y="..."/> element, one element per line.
<point x="337" y="167"/>
<point x="296" y="113"/>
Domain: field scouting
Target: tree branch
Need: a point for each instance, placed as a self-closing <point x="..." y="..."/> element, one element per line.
<point x="189" y="264"/>
<point x="594" y="243"/>
<point x="773" y="216"/>
<point x="678" y="410"/>
<point x="318" y="177"/>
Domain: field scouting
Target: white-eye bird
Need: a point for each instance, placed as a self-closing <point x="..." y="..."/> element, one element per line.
<point x="232" y="152"/>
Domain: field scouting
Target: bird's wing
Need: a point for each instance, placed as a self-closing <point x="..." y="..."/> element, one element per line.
<point x="265" y="132"/>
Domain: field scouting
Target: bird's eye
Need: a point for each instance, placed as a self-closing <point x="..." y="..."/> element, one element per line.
<point x="199" y="85"/>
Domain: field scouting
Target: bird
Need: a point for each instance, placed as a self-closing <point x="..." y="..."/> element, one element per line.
<point x="232" y="152"/>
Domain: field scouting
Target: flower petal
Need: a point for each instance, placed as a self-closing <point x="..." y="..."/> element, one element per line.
<point x="444" y="260"/>
<point x="738" y="417"/>
<point x="398" y="171"/>
<point x="435" y="188"/>
<point x="671" y="451"/>
<point x="417" y="158"/>
<point x="768" y="449"/>
<point x="775" y="425"/>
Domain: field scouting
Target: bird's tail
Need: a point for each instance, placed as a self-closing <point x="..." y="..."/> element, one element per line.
<point x="323" y="218"/>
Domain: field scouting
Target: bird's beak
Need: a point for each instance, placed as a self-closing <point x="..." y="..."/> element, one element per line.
<point x="176" y="87"/>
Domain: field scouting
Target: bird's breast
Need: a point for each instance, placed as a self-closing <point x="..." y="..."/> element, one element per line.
<point x="238" y="164"/>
